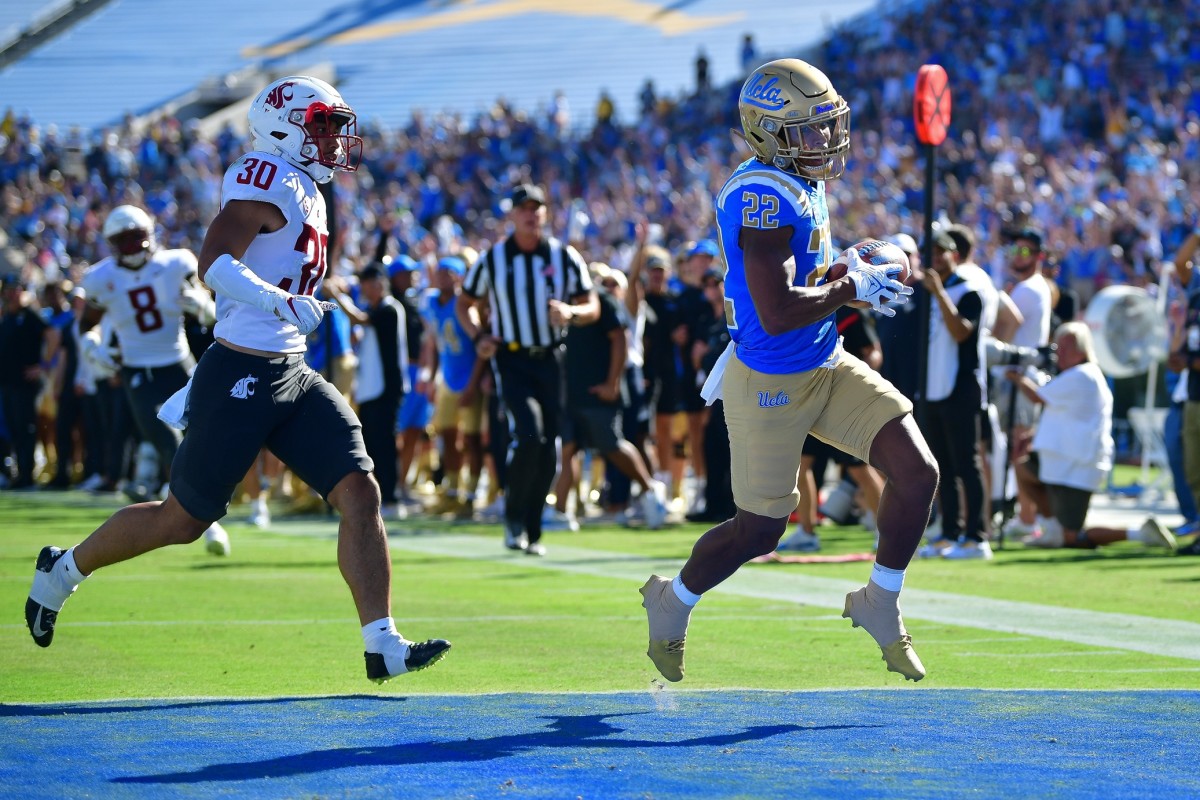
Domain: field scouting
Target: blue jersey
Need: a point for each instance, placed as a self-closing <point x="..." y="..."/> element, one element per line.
<point x="456" y="354"/>
<point x="760" y="196"/>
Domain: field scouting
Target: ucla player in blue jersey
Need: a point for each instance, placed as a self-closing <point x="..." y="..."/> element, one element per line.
<point x="458" y="403"/>
<point x="786" y="375"/>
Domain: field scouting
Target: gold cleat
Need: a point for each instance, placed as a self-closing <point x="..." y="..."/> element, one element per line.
<point x="666" y="653"/>
<point x="901" y="658"/>
<point x="899" y="655"/>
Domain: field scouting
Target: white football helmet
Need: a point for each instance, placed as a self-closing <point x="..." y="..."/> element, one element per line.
<point x="130" y="233"/>
<point x="793" y="118"/>
<point x="299" y="118"/>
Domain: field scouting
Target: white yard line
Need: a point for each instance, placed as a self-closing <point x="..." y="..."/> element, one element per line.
<point x="1161" y="637"/>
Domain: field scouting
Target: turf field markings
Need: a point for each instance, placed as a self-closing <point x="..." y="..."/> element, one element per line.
<point x="529" y="618"/>
<point x="980" y="640"/>
<point x="1163" y="637"/>
<point x="1132" y="669"/>
<point x="1065" y="654"/>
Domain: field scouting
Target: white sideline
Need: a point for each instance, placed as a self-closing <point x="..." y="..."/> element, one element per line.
<point x="1162" y="637"/>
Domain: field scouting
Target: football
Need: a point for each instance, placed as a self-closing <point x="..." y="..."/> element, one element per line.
<point x="873" y="251"/>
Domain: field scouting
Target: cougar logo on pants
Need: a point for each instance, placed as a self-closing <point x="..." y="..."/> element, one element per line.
<point x="243" y="388"/>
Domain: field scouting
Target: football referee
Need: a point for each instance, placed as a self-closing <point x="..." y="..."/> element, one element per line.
<point x="535" y="286"/>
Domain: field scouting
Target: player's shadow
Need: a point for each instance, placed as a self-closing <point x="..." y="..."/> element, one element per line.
<point x="61" y="710"/>
<point x="588" y="730"/>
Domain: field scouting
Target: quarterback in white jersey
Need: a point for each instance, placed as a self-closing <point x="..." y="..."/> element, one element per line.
<point x="264" y="255"/>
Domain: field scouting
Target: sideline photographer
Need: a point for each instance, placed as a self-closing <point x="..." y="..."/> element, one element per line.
<point x="1073" y="449"/>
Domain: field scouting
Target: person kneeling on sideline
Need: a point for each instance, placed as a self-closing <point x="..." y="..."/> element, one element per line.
<point x="1073" y="449"/>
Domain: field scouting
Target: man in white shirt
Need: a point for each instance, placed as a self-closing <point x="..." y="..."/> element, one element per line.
<point x="265" y="256"/>
<point x="1073" y="449"/>
<point x="1031" y="294"/>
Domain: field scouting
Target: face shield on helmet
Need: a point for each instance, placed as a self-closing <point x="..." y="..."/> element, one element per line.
<point x="792" y="118"/>
<point x="130" y="233"/>
<point x="305" y="121"/>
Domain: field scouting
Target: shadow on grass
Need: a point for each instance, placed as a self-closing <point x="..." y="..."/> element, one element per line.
<point x="561" y="732"/>
<point x="59" y="710"/>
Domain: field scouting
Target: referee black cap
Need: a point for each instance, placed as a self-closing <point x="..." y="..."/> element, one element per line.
<point x="525" y="193"/>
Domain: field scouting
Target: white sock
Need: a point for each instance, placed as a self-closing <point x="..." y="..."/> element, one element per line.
<point x="1134" y="535"/>
<point x="885" y="578"/>
<point x="71" y="575"/>
<point x="378" y="633"/>
<point x="685" y="596"/>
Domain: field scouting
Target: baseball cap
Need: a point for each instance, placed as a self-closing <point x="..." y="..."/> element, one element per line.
<point x="525" y="193"/>
<point x="963" y="236"/>
<point x="905" y="242"/>
<point x="371" y="271"/>
<point x="945" y="241"/>
<point x="704" y="247"/>
<point x="453" y="264"/>
<point x="1030" y="234"/>
<point x="402" y="263"/>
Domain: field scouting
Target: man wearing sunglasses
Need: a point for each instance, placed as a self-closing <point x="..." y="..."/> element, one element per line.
<point x="1030" y="292"/>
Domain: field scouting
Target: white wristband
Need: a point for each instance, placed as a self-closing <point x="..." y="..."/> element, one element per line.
<point x="230" y="277"/>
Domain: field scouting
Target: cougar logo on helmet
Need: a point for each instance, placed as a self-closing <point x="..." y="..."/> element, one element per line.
<point x="793" y="119"/>
<point x="279" y="95"/>
<point x="305" y="121"/>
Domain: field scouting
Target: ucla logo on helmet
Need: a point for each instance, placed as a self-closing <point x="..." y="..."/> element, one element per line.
<point x="764" y="93"/>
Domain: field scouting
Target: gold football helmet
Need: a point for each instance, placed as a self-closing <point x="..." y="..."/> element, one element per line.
<point x="793" y="118"/>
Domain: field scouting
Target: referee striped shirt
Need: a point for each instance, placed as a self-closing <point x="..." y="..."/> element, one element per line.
<point x="519" y="286"/>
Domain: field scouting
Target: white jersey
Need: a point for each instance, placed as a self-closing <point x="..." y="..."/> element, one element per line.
<point x="143" y="305"/>
<point x="292" y="258"/>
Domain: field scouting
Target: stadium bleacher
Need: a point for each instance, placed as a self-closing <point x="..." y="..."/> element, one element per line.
<point x="392" y="56"/>
<point x="16" y="15"/>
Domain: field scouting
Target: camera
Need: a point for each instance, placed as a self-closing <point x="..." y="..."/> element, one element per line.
<point x="1044" y="358"/>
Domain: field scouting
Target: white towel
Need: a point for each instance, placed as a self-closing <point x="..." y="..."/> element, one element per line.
<point x="711" y="391"/>
<point x="174" y="411"/>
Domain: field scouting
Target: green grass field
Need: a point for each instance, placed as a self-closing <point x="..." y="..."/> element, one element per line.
<point x="276" y="619"/>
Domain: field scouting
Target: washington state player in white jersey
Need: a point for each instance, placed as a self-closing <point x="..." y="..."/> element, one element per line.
<point x="264" y="255"/>
<point x="145" y="291"/>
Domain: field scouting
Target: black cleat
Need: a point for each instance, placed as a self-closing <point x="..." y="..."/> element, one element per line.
<point x="39" y="617"/>
<point x="420" y="655"/>
<point x="41" y="622"/>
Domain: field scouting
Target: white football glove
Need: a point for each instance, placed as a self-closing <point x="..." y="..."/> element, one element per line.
<point x="875" y="283"/>
<point x="230" y="277"/>
<point x="301" y="310"/>
<point x="97" y="355"/>
<point x="198" y="302"/>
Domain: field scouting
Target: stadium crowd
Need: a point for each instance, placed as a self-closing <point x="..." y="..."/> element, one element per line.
<point x="1080" y="120"/>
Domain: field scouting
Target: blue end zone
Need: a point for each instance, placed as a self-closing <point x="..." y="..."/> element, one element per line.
<point x="663" y="743"/>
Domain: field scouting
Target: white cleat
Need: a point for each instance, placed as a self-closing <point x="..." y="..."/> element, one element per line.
<point x="260" y="516"/>
<point x="216" y="540"/>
